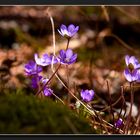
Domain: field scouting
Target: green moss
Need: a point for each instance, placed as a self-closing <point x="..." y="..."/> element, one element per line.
<point x="28" y="114"/>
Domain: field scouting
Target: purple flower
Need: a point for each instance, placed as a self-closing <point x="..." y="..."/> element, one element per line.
<point x="118" y="123"/>
<point x="68" y="32"/>
<point x="87" y="95"/>
<point x="35" y="81"/>
<point x="47" y="91"/>
<point x="45" y="60"/>
<point x="132" y="62"/>
<point x="32" y="69"/>
<point x="67" y="57"/>
<point x="131" y="73"/>
<point x="131" y="76"/>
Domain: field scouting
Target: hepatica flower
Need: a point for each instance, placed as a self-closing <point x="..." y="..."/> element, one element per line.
<point x="131" y="72"/>
<point x="31" y="68"/>
<point x="131" y="76"/>
<point x="87" y="95"/>
<point x="118" y="123"/>
<point x="132" y="62"/>
<point x="69" y="31"/>
<point x="47" y="91"/>
<point x="67" y="57"/>
<point x="45" y="60"/>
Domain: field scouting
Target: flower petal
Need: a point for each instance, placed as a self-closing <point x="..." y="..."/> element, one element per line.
<point x="135" y="75"/>
<point x="64" y="30"/>
<point x="87" y="95"/>
<point x="74" y="31"/>
<point x="62" y="54"/>
<point x="69" y="53"/>
<point x="127" y="75"/>
<point x="133" y="60"/>
<point x="73" y="59"/>
<point x="71" y="28"/>
<point x="60" y="32"/>
<point x="47" y="92"/>
<point x="37" y="60"/>
<point x="127" y="59"/>
<point x="63" y="27"/>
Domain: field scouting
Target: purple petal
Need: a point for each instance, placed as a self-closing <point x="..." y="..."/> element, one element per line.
<point x="35" y="80"/>
<point x="74" y="31"/>
<point x="73" y="59"/>
<point x="53" y="60"/>
<point x="48" y="92"/>
<point x="127" y="59"/>
<point x="134" y="75"/>
<point x="133" y="60"/>
<point x="63" y="27"/>
<point x="45" y="60"/>
<point x="87" y="95"/>
<point x="69" y="53"/>
<point x="127" y="75"/>
<point x="64" y="30"/>
<point x="39" y="69"/>
<point x="118" y="123"/>
<point x="44" y="81"/>
<point x="138" y="74"/>
<point x="77" y="28"/>
<point x="62" y="54"/>
<point x="131" y="76"/>
<point x="137" y="66"/>
<point x="71" y="28"/>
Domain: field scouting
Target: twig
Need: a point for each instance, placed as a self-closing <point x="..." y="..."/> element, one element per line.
<point x="105" y="13"/>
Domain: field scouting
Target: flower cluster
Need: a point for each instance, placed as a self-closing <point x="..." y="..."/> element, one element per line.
<point x="33" y="70"/>
<point x="65" y="57"/>
<point x="132" y="73"/>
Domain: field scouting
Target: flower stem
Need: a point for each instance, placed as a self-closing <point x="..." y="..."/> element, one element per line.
<point x="129" y="116"/>
<point x="68" y="85"/>
<point x="68" y="43"/>
<point x="110" y="101"/>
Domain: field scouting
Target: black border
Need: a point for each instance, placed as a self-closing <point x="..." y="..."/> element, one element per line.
<point x="69" y="2"/>
<point x="67" y="136"/>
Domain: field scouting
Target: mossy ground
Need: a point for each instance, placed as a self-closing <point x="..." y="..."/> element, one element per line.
<point x="28" y="114"/>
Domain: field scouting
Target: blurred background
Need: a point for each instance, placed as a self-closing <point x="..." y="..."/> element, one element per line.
<point x="106" y="35"/>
